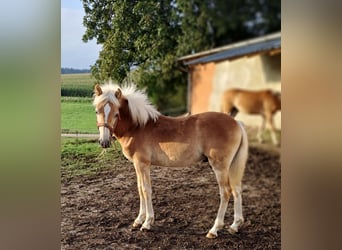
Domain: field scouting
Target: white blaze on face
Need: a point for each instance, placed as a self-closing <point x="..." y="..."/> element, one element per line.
<point x="104" y="132"/>
<point x="106" y="112"/>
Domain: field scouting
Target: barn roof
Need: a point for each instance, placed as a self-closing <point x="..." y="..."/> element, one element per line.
<point x="232" y="51"/>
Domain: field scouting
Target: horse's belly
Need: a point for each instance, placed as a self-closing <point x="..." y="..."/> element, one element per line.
<point x="250" y="109"/>
<point x="176" y="154"/>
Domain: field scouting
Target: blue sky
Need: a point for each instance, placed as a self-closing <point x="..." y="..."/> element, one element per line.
<point x="74" y="52"/>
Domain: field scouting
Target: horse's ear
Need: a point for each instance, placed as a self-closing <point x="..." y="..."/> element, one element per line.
<point x="97" y="90"/>
<point x="118" y="93"/>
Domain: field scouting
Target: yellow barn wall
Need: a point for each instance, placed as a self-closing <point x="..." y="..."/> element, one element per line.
<point x="201" y="87"/>
<point x="210" y="80"/>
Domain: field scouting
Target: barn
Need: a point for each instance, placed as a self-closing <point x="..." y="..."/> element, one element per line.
<point x="251" y="64"/>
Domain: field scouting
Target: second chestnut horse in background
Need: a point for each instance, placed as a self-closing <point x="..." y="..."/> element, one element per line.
<point x="263" y="102"/>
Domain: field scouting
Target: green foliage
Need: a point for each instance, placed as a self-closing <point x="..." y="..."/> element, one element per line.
<point x="141" y="40"/>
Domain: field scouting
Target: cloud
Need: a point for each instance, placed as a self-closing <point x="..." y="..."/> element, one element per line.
<point x="74" y="52"/>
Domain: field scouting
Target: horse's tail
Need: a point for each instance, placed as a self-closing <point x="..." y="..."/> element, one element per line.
<point x="233" y="112"/>
<point x="239" y="162"/>
<point x="227" y="104"/>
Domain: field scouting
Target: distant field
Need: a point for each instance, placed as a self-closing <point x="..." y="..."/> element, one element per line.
<point x="77" y="80"/>
<point x="77" y="85"/>
<point x="77" y="112"/>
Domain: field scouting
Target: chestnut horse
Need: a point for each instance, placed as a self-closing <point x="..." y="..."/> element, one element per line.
<point x="150" y="138"/>
<point x="263" y="102"/>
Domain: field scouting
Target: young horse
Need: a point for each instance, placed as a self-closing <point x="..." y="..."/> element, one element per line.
<point x="149" y="138"/>
<point x="263" y="102"/>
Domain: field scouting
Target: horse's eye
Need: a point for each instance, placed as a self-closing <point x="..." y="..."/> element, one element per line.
<point x="96" y="112"/>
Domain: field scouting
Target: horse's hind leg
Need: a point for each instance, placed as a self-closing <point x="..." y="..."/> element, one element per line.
<point x="269" y="118"/>
<point x="261" y="129"/>
<point x="221" y="172"/>
<point x="236" y="171"/>
<point x="238" y="217"/>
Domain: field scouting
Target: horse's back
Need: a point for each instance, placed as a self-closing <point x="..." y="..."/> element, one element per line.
<point x="251" y="101"/>
<point x="196" y="125"/>
<point x="215" y="121"/>
<point x="180" y="141"/>
<point x="218" y="131"/>
<point x="246" y="101"/>
<point x="168" y="141"/>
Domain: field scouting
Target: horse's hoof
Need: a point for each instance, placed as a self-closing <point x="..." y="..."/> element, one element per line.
<point x="136" y="225"/>
<point x="144" y="229"/>
<point x="211" y="235"/>
<point x="232" y="230"/>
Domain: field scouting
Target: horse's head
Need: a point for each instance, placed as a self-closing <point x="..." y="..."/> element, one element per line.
<point x="107" y="113"/>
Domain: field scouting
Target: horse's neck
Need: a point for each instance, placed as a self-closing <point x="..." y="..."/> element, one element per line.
<point x="124" y="127"/>
<point x="125" y="123"/>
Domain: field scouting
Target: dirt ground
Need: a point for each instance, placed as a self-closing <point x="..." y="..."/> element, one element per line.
<point x="98" y="210"/>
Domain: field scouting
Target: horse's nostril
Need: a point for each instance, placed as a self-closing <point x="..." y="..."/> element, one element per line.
<point x="104" y="143"/>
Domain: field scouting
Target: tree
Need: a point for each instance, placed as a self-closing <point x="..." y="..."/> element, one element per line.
<point x="142" y="39"/>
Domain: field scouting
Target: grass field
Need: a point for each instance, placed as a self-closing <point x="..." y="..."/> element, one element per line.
<point x="78" y="117"/>
<point x="77" y="113"/>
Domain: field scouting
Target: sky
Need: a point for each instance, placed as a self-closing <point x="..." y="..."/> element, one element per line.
<point x="74" y="52"/>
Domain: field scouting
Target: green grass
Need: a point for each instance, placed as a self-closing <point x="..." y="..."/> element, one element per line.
<point x="76" y="99"/>
<point x="78" y="116"/>
<point x="77" y="113"/>
<point x="265" y="135"/>
<point x="86" y="157"/>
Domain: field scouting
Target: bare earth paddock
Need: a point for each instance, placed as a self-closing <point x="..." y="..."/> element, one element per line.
<point x="98" y="210"/>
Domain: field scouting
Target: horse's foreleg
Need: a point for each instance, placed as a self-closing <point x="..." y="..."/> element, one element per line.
<point x="272" y="129"/>
<point x="142" y="211"/>
<point x="274" y="137"/>
<point x="146" y="209"/>
<point x="225" y="191"/>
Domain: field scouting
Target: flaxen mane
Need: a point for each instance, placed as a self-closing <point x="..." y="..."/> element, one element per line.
<point x="139" y="106"/>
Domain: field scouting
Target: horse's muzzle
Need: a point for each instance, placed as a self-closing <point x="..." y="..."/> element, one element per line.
<point x="104" y="143"/>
